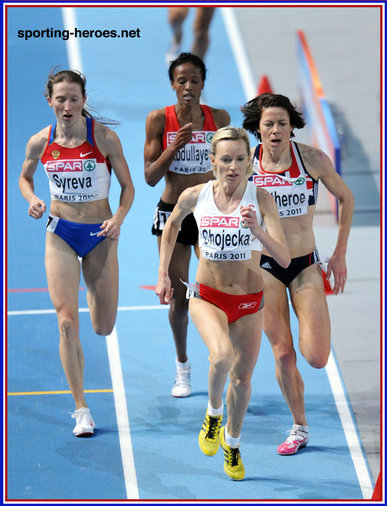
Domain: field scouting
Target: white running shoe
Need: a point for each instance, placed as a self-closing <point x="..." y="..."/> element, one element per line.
<point x="85" y="424"/>
<point x="172" y="53"/>
<point x="182" y="386"/>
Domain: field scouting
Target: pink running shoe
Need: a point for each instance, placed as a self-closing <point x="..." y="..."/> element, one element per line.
<point x="297" y="438"/>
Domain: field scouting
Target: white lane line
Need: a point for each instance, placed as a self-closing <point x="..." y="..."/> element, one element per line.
<point x="75" y="62"/>
<point x="72" y="44"/>
<point x="249" y="86"/>
<point x="334" y="379"/>
<point x="122" y="416"/>
<point x="240" y="53"/>
<point x="349" y="427"/>
<point x="118" y="392"/>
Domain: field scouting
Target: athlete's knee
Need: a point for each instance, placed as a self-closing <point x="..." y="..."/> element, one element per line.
<point x="285" y="357"/>
<point x="202" y="20"/>
<point x="103" y="328"/>
<point x="176" y="16"/>
<point x="316" y="355"/>
<point x="240" y="381"/>
<point x="317" y="360"/>
<point x="68" y="326"/>
<point x="179" y="307"/>
<point x="221" y="359"/>
<point x="201" y="31"/>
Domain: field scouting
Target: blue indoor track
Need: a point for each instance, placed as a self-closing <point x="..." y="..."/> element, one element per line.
<point x="145" y="446"/>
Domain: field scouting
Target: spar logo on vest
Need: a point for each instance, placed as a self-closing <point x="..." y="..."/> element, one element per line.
<point x="70" y="165"/>
<point x="72" y="175"/>
<point x="270" y="180"/>
<point x="290" y="195"/>
<point x="198" y="137"/>
<point x="223" y="232"/>
<point x="194" y="157"/>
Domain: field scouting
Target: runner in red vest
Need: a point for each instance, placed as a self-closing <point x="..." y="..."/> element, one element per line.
<point x="177" y="149"/>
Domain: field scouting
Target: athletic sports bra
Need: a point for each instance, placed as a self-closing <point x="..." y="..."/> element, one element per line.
<point x="194" y="157"/>
<point x="293" y="189"/>
<point x="80" y="174"/>
<point x="221" y="236"/>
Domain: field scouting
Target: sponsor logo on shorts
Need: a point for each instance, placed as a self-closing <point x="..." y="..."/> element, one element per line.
<point x="247" y="305"/>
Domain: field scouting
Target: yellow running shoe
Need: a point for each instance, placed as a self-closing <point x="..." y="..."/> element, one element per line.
<point x="209" y="434"/>
<point x="233" y="465"/>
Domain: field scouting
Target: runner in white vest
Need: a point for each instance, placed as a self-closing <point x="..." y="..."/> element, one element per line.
<point x="235" y="220"/>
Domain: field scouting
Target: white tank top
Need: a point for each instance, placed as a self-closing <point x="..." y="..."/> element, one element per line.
<point x="221" y="236"/>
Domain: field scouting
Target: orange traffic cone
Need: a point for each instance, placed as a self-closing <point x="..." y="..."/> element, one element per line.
<point x="264" y="86"/>
<point x="377" y="495"/>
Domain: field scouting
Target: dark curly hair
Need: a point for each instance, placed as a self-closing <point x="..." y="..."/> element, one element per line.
<point x="187" y="58"/>
<point x="252" y="112"/>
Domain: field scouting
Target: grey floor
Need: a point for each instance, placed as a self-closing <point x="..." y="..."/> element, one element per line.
<point x="345" y="45"/>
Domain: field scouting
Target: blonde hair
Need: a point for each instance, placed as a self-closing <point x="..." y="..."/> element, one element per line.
<point x="230" y="133"/>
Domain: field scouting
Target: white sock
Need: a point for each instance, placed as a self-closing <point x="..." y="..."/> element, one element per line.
<point x="182" y="365"/>
<point x="214" y="412"/>
<point x="231" y="441"/>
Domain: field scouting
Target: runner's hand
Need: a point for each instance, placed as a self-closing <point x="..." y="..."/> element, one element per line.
<point x="110" y="228"/>
<point x="183" y="136"/>
<point x="164" y="290"/>
<point x="37" y="208"/>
